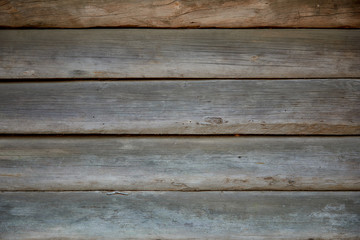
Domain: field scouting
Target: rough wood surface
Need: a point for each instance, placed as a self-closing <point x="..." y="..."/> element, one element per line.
<point x="191" y="163"/>
<point x="184" y="13"/>
<point x="313" y="106"/>
<point x="179" y="215"/>
<point x="182" y="53"/>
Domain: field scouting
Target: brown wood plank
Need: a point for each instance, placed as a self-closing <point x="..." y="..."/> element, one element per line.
<point x="189" y="164"/>
<point x="180" y="215"/>
<point x="175" y="14"/>
<point x="181" y="53"/>
<point x="313" y="106"/>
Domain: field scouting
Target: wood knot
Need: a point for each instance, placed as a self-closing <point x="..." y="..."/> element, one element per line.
<point x="214" y="120"/>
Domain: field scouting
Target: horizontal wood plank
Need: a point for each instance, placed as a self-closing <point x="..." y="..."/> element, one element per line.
<point x="189" y="164"/>
<point x="183" y="53"/>
<point x="175" y="14"/>
<point x="314" y="106"/>
<point x="179" y="215"/>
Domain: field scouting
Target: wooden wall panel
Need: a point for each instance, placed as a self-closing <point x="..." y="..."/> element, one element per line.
<point x="180" y="163"/>
<point x="184" y="13"/>
<point x="178" y="215"/>
<point x="54" y="187"/>
<point x="182" y="53"/>
<point x="314" y="106"/>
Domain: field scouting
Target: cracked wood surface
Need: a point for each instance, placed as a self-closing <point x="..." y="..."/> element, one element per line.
<point x="180" y="53"/>
<point x="180" y="14"/>
<point x="179" y="163"/>
<point x="180" y="215"/>
<point x="311" y="106"/>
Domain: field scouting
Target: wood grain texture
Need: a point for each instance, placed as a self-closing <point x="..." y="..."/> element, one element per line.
<point x="179" y="215"/>
<point x="188" y="164"/>
<point x="184" y="13"/>
<point x="314" y="106"/>
<point x="182" y="53"/>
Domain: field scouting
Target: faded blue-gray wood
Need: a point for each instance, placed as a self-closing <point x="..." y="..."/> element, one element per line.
<point x="180" y="215"/>
<point x="314" y="106"/>
<point x="181" y="53"/>
<point x="179" y="163"/>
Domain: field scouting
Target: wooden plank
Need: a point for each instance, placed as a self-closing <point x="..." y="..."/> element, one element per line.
<point x="182" y="53"/>
<point x="175" y="14"/>
<point x="315" y="106"/>
<point x="189" y="164"/>
<point x="180" y="215"/>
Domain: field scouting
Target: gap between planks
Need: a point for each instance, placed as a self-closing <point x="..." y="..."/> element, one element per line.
<point x="105" y="135"/>
<point x="50" y="80"/>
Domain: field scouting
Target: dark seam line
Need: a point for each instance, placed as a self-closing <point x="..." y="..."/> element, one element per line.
<point x="50" y="80"/>
<point x="207" y="190"/>
<point x="85" y="135"/>
<point x="173" y="28"/>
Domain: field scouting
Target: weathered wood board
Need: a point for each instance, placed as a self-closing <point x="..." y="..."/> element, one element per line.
<point x="180" y="163"/>
<point x="179" y="215"/>
<point x="184" y="13"/>
<point x="313" y="106"/>
<point x="181" y="53"/>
